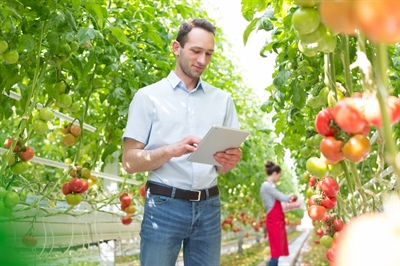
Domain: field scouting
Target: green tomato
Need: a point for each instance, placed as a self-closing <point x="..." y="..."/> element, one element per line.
<point x="327" y="44"/>
<point x="2" y="207"/>
<point x="306" y="151"/>
<point x="11" y="199"/>
<point x="40" y="126"/>
<point x="11" y="57"/>
<point x="326" y="241"/>
<point x="11" y="161"/>
<point x="3" y="46"/>
<point x="314" y="37"/>
<point x="317" y="167"/>
<point x="65" y="101"/>
<point x="316" y="140"/>
<point x="73" y="199"/>
<point x="305" y="20"/>
<point x="3" y="192"/>
<point x="307" y="50"/>
<point x="60" y="87"/>
<point x="74" y="46"/>
<point x="306" y="3"/>
<point x="19" y="168"/>
<point x="335" y="170"/>
<point x="46" y="114"/>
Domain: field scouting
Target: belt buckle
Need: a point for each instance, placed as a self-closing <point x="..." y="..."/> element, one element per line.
<point x="198" y="195"/>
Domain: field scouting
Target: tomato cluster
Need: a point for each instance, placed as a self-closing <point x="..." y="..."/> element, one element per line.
<point x="21" y="154"/>
<point x="378" y="20"/>
<point x="7" y="55"/>
<point x="313" y="36"/>
<point x="71" y="132"/>
<point x="127" y="207"/>
<point x="8" y="200"/>
<point x="346" y="126"/>
<point x="81" y="180"/>
<point x="39" y="123"/>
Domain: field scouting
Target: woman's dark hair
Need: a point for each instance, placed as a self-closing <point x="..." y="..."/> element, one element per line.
<point x="186" y="27"/>
<point x="271" y="167"/>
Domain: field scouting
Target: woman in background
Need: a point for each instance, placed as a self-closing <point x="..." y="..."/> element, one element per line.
<point x="275" y="223"/>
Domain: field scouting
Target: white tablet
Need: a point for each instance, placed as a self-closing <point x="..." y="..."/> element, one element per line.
<point x="218" y="138"/>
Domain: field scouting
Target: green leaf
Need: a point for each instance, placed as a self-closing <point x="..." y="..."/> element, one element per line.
<point x="120" y="35"/>
<point x="249" y="29"/>
<point x="97" y="12"/>
<point x="85" y="34"/>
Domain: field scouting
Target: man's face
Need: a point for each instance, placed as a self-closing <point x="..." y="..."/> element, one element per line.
<point x="196" y="55"/>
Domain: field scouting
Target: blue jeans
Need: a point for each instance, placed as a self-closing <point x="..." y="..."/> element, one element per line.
<point x="169" y="222"/>
<point x="273" y="262"/>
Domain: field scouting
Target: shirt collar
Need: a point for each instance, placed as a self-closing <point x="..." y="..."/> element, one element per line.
<point x="176" y="82"/>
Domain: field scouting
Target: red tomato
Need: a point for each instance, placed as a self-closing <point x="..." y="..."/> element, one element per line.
<point x="379" y="20"/>
<point x="76" y="185"/>
<point x="142" y="190"/>
<point x="320" y="232"/>
<point x="126" y="200"/>
<point x="330" y="254"/>
<point x="329" y="186"/>
<point x="373" y="114"/>
<point x="123" y="194"/>
<point x="338" y="15"/>
<point x="356" y="148"/>
<point x="316" y="212"/>
<point x="311" y="181"/>
<point x="8" y="143"/>
<point x="314" y="200"/>
<point x="323" y="122"/>
<point x="126" y="220"/>
<point x="329" y="203"/>
<point x="26" y="153"/>
<point x="338" y="224"/>
<point x="331" y="148"/>
<point x="348" y="117"/>
<point x="65" y="188"/>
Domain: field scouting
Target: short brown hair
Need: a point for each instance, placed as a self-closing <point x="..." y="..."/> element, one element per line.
<point x="271" y="167"/>
<point x="187" y="26"/>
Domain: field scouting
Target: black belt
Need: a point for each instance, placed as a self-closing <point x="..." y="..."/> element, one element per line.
<point x="192" y="195"/>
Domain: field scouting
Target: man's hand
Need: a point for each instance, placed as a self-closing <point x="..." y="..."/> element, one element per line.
<point x="228" y="159"/>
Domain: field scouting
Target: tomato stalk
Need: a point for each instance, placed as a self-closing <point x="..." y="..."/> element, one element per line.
<point x="350" y="186"/>
<point x="346" y="64"/>
<point x="381" y="63"/>
<point x="357" y="181"/>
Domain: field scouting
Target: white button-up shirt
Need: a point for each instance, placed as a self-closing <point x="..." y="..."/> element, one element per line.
<point x="165" y="112"/>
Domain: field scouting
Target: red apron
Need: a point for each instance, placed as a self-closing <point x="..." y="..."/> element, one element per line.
<point x="276" y="231"/>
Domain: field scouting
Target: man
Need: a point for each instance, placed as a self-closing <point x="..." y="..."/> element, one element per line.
<point x="165" y="122"/>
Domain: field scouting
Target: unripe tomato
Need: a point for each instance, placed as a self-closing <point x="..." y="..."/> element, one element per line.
<point x="305" y="20"/>
<point x="357" y="148"/>
<point x="316" y="167"/>
<point x="73" y="199"/>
